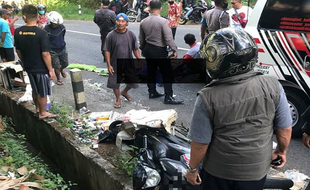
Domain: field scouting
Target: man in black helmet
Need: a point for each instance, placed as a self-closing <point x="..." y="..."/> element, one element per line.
<point x="234" y="117"/>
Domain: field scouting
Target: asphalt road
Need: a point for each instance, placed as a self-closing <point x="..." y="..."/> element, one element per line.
<point x="83" y="45"/>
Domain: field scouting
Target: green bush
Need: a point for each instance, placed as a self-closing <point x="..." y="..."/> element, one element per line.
<point x="164" y="10"/>
<point x="70" y="10"/>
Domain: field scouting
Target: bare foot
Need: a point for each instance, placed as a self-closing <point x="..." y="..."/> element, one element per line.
<point x="47" y="115"/>
<point x="59" y="82"/>
<point x="126" y="95"/>
<point x="63" y="74"/>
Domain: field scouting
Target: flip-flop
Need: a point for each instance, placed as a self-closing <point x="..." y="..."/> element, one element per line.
<point x="63" y="74"/>
<point x="49" y="116"/>
<point x="59" y="83"/>
<point x="129" y="98"/>
<point x="117" y="106"/>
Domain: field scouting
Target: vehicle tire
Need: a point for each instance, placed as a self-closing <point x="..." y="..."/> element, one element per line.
<point x="297" y="106"/>
<point x="139" y="18"/>
<point x="278" y="183"/>
<point x="131" y="16"/>
<point x="198" y="18"/>
<point x="182" y="21"/>
<point x="197" y="21"/>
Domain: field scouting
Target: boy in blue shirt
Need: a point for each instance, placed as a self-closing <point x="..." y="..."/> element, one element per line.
<point x="6" y="44"/>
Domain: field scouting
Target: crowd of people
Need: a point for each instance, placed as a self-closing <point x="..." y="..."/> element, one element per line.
<point x="155" y="41"/>
<point x="40" y="46"/>
<point x="234" y="115"/>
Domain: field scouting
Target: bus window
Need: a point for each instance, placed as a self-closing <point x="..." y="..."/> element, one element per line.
<point x="292" y="15"/>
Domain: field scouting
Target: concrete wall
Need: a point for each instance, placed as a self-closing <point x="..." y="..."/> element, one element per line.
<point x="82" y="164"/>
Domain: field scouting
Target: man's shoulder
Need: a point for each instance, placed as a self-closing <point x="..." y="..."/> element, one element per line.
<point x="196" y="47"/>
<point x="111" y="33"/>
<point x="231" y="11"/>
<point x="152" y="19"/>
<point x="2" y="21"/>
<point x="210" y="11"/>
<point x="104" y="10"/>
<point x="245" y="8"/>
<point x="131" y="33"/>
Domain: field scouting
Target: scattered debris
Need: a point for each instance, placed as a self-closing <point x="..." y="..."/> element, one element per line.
<point x="91" y="125"/>
<point x="82" y="66"/>
<point x="9" y="182"/>
<point x="300" y="179"/>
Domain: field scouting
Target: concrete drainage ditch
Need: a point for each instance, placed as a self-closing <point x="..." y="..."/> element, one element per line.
<point x="76" y="160"/>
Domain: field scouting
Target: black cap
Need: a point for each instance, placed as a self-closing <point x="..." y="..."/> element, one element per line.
<point x="4" y="11"/>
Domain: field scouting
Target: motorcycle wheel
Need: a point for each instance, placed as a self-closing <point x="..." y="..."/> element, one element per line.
<point x="131" y="16"/>
<point x="182" y="21"/>
<point x="196" y="21"/>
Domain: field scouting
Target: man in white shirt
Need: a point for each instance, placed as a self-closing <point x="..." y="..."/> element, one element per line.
<point x="239" y="15"/>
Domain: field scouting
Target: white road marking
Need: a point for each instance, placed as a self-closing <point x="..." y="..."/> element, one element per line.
<point x="91" y="34"/>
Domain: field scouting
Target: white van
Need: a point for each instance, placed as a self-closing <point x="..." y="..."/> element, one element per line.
<point x="281" y="28"/>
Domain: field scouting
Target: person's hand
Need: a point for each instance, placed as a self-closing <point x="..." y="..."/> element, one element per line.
<point x="111" y="70"/>
<point x="15" y="18"/>
<point x="140" y="64"/>
<point x="276" y="155"/>
<point x="174" y="55"/>
<point x="306" y="140"/>
<point x="52" y="75"/>
<point x="193" y="178"/>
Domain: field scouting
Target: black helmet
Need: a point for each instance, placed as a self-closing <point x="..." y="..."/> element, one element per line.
<point x="41" y="7"/>
<point x="229" y="52"/>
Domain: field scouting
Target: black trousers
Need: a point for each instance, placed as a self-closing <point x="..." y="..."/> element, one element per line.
<point x="102" y="44"/>
<point x="210" y="182"/>
<point x="156" y="57"/>
<point x="173" y="30"/>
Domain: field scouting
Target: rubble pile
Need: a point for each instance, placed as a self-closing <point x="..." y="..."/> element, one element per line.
<point x="92" y="124"/>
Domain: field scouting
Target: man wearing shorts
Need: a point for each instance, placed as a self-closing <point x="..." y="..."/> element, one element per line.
<point x="56" y="33"/>
<point x="32" y="47"/>
<point x="120" y="44"/>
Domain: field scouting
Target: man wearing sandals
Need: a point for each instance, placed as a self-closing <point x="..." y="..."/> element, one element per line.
<point x="32" y="47"/>
<point x="119" y="45"/>
<point x="56" y="33"/>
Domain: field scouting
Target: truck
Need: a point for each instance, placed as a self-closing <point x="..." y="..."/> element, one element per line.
<point x="281" y="29"/>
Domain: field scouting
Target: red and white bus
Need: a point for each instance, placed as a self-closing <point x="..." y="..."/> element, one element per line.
<point x="281" y="28"/>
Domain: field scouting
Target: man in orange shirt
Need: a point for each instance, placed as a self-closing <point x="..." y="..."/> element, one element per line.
<point x="174" y="14"/>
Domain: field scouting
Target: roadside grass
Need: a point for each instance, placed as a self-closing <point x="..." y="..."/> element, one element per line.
<point x="14" y="156"/>
<point x="70" y="11"/>
<point x="64" y="113"/>
<point x="127" y="161"/>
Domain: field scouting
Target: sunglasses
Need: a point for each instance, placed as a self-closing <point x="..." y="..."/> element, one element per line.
<point x="232" y="3"/>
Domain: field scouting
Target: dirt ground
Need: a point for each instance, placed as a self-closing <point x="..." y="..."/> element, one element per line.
<point x="108" y="150"/>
